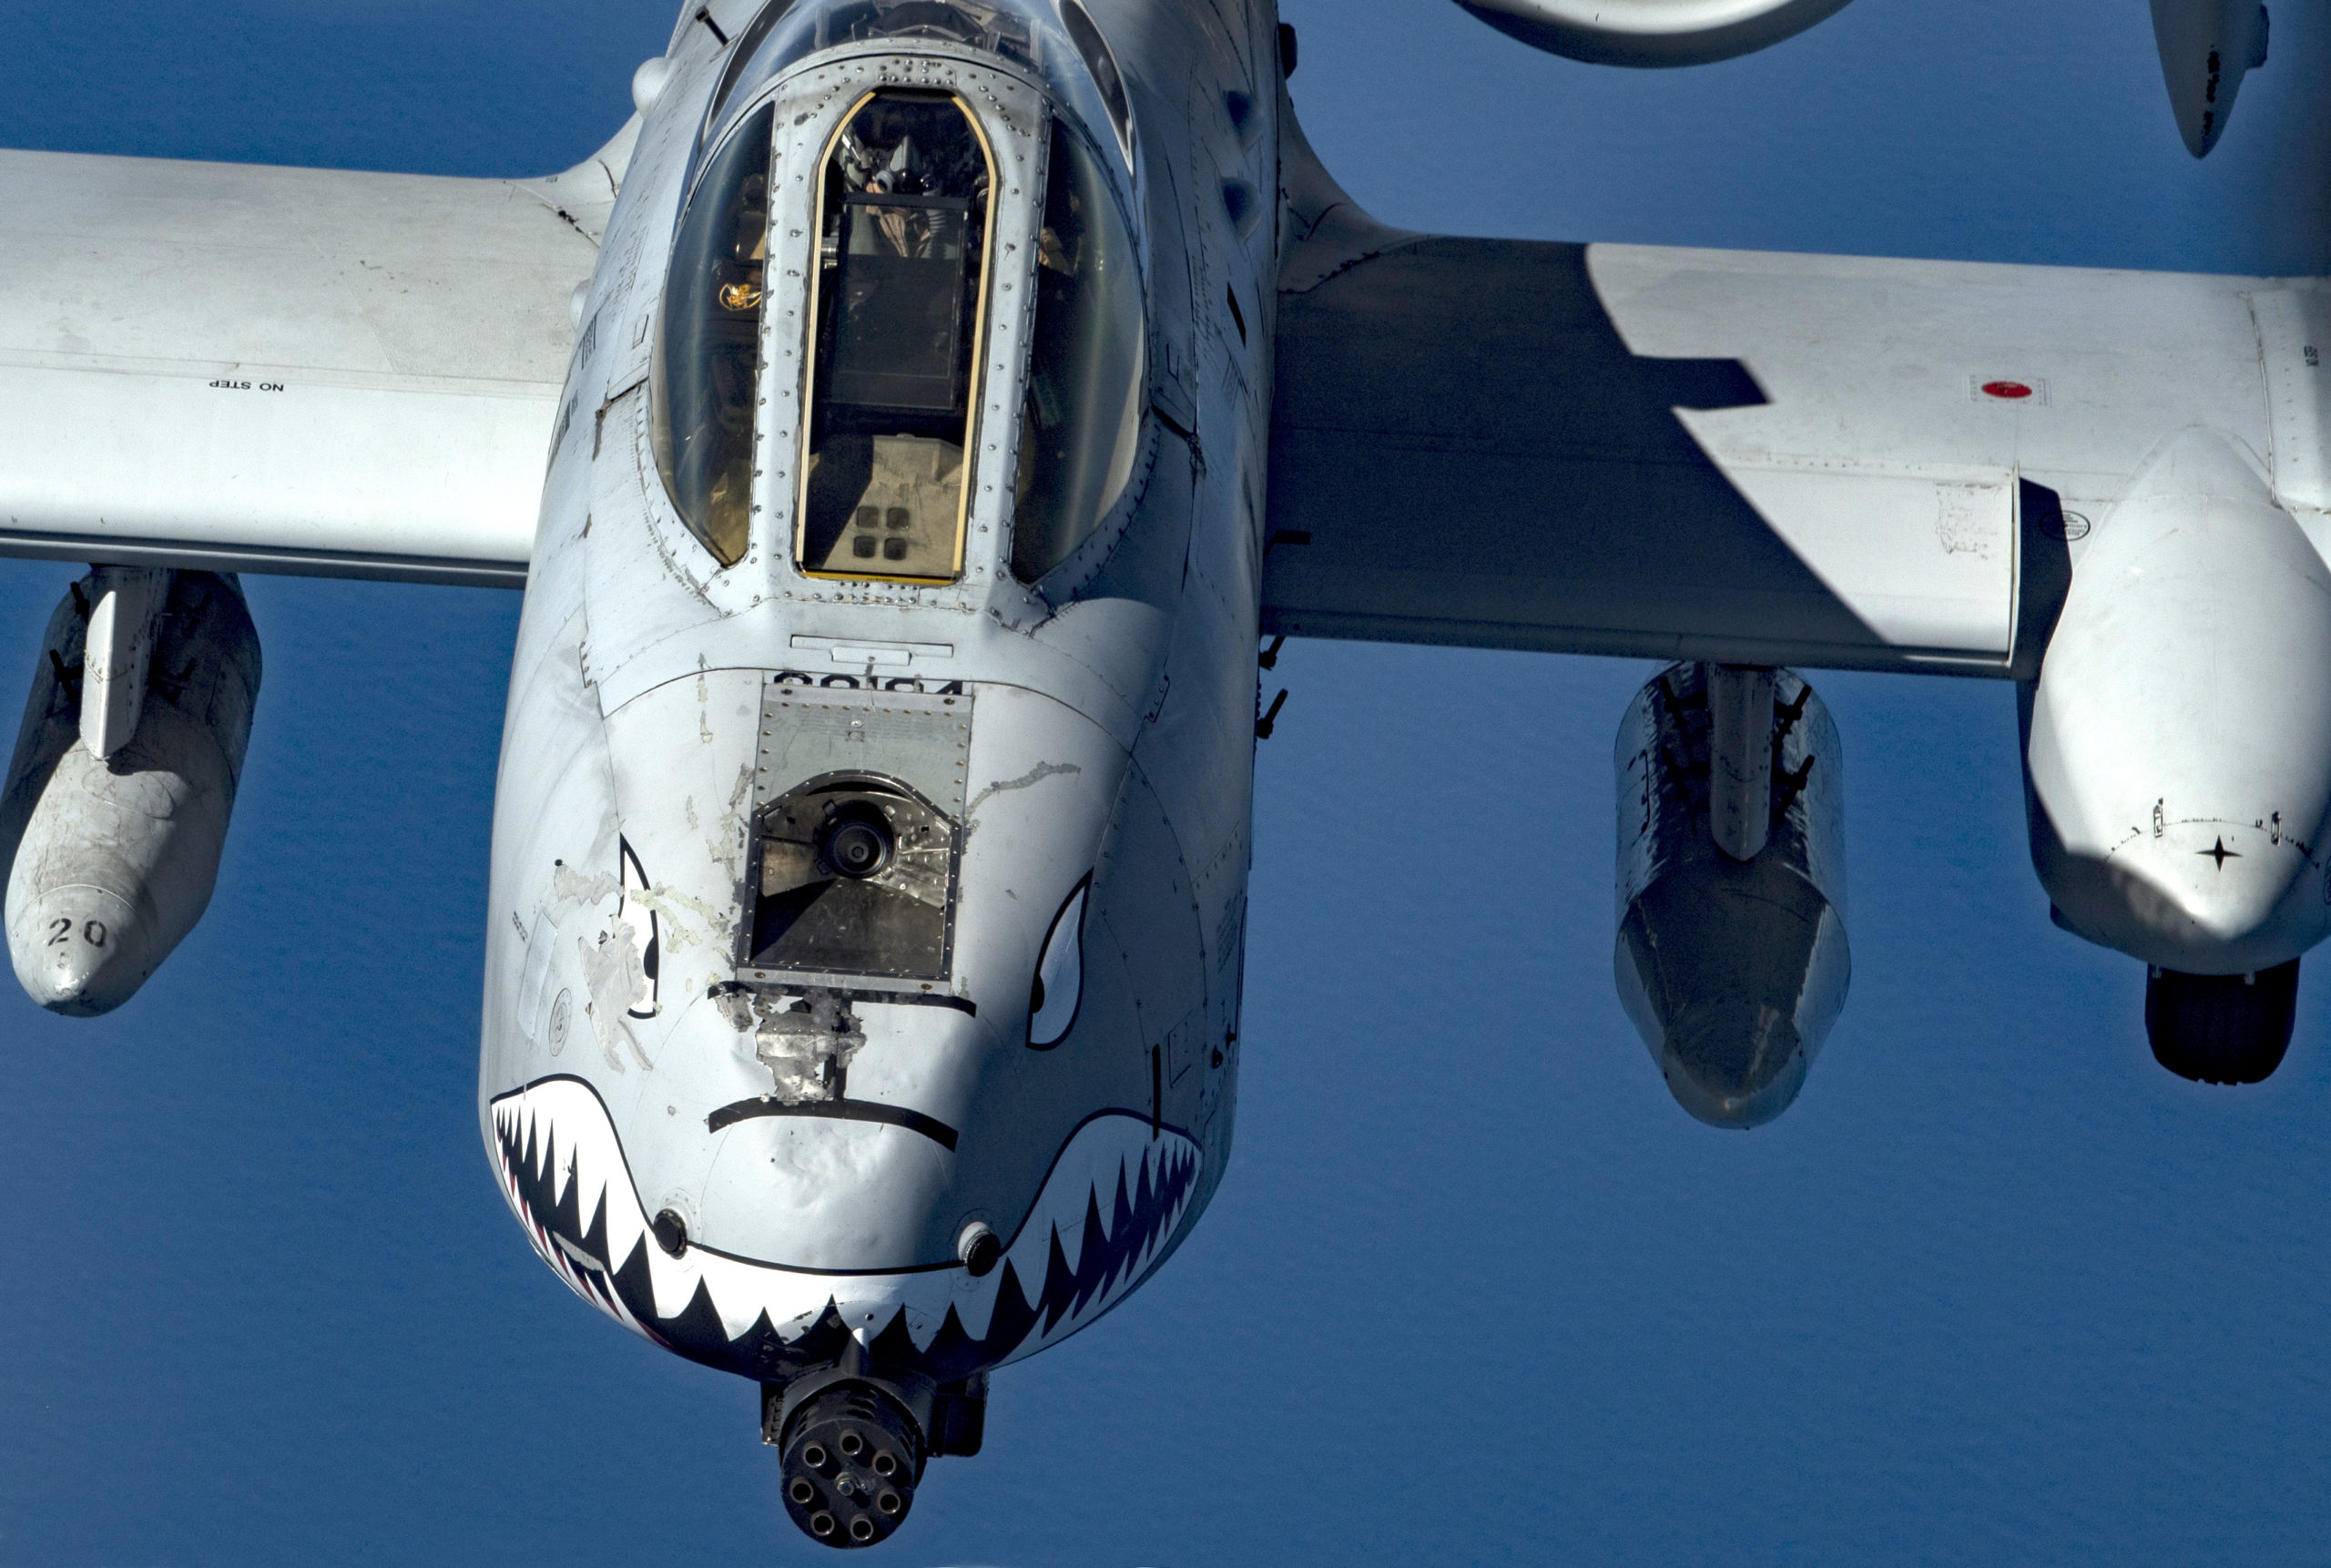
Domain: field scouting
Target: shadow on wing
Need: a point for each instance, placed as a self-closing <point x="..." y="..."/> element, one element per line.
<point x="1464" y="450"/>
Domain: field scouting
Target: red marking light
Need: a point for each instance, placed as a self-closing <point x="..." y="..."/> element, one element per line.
<point x="2011" y="391"/>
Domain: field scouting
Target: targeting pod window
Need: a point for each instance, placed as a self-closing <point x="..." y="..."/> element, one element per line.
<point x="1081" y="424"/>
<point x="902" y="275"/>
<point x="707" y="349"/>
<point x="854" y="875"/>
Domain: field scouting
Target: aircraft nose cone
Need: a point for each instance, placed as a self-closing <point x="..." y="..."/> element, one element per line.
<point x="77" y="951"/>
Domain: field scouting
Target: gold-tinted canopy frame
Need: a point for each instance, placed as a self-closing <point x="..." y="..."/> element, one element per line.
<point x="976" y="349"/>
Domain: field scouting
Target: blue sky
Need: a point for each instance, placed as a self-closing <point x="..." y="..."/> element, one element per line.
<point x="1997" y="1290"/>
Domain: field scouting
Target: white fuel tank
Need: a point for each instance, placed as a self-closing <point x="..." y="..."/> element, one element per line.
<point x="1731" y="957"/>
<point x="2177" y="747"/>
<point x="1651" y="32"/>
<point x="124" y="776"/>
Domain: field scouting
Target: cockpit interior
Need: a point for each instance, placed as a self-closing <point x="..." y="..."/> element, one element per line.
<point x="898" y="286"/>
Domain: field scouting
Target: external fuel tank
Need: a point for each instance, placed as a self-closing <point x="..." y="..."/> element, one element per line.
<point x="1731" y="957"/>
<point x="124" y="776"/>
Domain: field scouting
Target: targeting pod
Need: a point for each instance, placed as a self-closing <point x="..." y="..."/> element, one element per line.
<point x="1731" y="957"/>
<point x="123" y="777"/>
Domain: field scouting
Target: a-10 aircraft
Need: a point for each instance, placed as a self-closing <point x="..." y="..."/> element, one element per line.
<point x="909" y="429"/>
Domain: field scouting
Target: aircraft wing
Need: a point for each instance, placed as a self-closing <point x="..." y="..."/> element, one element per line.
<point x="241" y="368"/>
<point x="1753" y="458"/>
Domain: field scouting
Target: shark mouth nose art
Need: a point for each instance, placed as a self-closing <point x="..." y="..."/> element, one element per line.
<point x="1114" y="1196"/>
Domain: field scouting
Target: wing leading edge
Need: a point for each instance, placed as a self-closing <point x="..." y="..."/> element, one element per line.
<point x="1754" y="458"/>
<point x="318" y="371"/>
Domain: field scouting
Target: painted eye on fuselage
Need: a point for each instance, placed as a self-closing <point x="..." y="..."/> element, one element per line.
<point x="1059" y="985"/>
<point x="636" y="917"/>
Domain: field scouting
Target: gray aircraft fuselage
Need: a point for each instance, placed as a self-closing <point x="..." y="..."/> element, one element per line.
<point x="952" y="1099"/>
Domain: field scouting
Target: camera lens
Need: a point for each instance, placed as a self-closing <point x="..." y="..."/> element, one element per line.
<point x="859" y="848"/>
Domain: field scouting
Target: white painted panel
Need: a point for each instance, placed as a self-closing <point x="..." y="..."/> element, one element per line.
<point x="1869" y="361"/>
<point x="1860" y="434"/>
<point x="282" y="369"/>
<point x="2294" y="331"/>
<point x="310" y="473"/>
<point x="1928" y="565"/>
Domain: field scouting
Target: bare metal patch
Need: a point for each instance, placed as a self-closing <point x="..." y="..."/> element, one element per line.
<point x="736" y="1006"/>
<point x="618" y="983"/>
<point x="807" y="1043"/>
<point x="569" y="886"/>
<point x="675" y="906"/>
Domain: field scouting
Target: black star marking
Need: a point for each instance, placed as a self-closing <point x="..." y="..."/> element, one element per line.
<point x="2220" y="853"/>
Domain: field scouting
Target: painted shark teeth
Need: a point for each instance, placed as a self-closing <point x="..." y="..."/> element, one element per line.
<point x="1119" y="1190"/>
